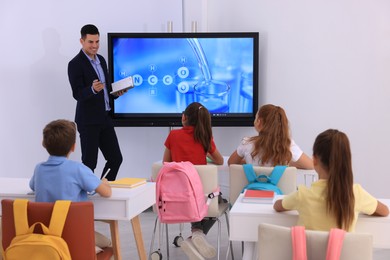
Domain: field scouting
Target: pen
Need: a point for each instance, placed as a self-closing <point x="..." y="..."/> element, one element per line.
<point x="105" y="175"/>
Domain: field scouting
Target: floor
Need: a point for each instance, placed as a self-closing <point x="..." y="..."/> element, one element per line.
<point x="129" y="251"/>
<point x="147" y="220"/>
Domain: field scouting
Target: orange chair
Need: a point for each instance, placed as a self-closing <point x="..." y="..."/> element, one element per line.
<point x="78" y="230"/>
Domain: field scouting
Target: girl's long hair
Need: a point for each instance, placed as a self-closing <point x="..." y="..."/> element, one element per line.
<point x="272" y="145"/>
<point x="199" y="117"/>
<point x="333" y="151"/>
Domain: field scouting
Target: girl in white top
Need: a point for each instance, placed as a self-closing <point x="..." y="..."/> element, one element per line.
<point x="273" y="145"/>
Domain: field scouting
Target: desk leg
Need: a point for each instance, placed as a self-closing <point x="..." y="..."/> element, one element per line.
<point x="138" y="237"/>
<point x="115" y="239"/>
<point x="250" y="251"/>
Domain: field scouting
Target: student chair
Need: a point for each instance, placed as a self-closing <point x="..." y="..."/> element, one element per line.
<point x="1" y="243"/>
<point x="275" y="243"/>
<point x="238" y="180"/>
<point x="79" y="230"/>
<point x="209" y="177"/>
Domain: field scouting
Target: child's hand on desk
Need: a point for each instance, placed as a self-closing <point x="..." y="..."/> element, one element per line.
<point x="106" y="183"/>
<point x="104" y="189"/>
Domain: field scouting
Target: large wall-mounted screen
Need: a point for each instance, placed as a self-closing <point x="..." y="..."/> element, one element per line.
<point x="172" y="70"/>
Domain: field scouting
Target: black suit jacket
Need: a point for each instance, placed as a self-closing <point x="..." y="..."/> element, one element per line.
<point x="90" y="107"/>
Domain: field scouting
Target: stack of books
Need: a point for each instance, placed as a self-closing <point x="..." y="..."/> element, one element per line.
<point x="258" y="196"/>
<point x="127" y="182"/>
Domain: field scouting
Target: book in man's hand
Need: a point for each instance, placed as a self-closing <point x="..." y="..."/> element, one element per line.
<point x="258" y="196"/>
<point x="123" y="84"/>
<point x="127" y="182"/>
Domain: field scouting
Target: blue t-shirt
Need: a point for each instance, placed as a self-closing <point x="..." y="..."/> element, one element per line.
<point x="61" y="179"/>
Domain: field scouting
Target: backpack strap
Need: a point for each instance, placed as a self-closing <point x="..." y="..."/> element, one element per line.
<point x="298" y="239"/>
<point x="277" y="173"/>
<point x="335" y="244"/>
<point x="213" y="195"/>
<point x="58" y="217"/>
<point x="57" y="221"/>
<point x="20" y="216"/>
<point x="249" y="172"/>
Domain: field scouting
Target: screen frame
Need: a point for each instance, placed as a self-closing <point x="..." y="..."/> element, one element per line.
<point x="174" y="119"/>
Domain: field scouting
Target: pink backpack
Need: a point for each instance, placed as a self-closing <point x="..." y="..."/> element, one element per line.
<point x="335" y="243"/>
<point x="179" y="194"/>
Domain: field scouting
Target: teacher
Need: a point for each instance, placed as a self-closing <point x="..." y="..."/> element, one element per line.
<point x="89" y="79"/>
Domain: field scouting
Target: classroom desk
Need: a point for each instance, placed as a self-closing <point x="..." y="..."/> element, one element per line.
<point x="124" y="204"/>
<point x="245" y="218"/>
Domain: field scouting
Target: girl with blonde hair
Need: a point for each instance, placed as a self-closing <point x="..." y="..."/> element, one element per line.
<point x="273" y="144"/>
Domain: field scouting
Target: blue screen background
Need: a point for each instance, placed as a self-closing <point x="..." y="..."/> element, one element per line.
<point x="171" y="73"/>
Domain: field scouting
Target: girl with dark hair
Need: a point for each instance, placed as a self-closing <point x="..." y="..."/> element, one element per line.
<point x="194" y="143"/>
<point x="334" y="200"/>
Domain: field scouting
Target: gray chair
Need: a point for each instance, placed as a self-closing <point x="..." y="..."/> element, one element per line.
<point x="275" y="243"/>
<point x="209" y="177"/>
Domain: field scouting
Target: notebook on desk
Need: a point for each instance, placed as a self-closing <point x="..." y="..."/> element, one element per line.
<point x="258" y="196"/>
<point x="127" y="182"/>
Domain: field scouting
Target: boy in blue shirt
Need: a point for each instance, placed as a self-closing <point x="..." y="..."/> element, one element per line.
<point x="62" y="179"/>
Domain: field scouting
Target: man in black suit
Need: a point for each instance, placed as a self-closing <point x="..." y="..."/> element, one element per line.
<point x="89" y="79"/>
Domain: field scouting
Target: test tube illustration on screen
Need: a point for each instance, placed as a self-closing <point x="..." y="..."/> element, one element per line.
<point x="211" y="93"/>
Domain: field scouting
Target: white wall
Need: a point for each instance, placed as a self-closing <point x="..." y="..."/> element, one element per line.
<point x="38" y="38"/>
<point x="325" y="62"/>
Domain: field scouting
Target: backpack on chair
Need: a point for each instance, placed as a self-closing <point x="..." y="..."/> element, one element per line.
<point x="179" y="193"/>
<point x="263" y="182"/>
<point x="335" y="243"/>
<point x="29" y="245"/>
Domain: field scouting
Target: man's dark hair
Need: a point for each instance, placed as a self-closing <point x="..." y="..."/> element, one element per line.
<point x="89" y="29"/>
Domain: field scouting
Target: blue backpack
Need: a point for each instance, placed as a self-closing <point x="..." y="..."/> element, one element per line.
<point x="263" y="182"/>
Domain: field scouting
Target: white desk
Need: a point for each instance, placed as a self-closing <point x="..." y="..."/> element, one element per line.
<point x="124" y="204"/>
<point x="245" y="218"/>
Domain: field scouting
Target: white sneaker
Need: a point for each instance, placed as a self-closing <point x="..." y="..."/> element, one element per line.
<point x="204" y="247"/>
<point x="190" y="250"/>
